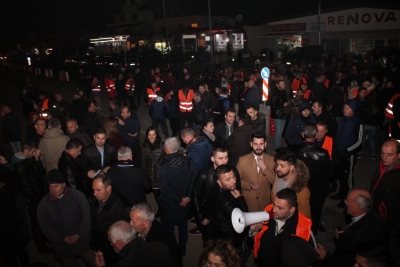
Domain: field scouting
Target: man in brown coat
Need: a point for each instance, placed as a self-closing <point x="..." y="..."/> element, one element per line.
<point x="257" y="174"/>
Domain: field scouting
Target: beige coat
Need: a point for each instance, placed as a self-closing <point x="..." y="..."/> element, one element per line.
<point x="51" y="146"/>
<point x="256" y="200"/>
<point x="299" y="185"/>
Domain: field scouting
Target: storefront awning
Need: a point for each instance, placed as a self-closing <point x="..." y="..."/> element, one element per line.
<point x="277" y="34"/>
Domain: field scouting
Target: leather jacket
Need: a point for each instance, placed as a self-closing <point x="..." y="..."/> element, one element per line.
<point x="277" y="105"/>
<point x="31" y="174"/>
<point x="220" y="206"/>
<point x="202" y="184"/>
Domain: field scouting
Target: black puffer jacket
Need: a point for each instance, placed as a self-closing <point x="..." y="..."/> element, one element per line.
<point x="204" y="181"/>
<point x="31" y="174"/>
<point x="200" y="112"/>
<point x="151" y="160"/>
<point x="277" y="105"/>
<point x="73" y="173"/>
<point x="220" y="205"/>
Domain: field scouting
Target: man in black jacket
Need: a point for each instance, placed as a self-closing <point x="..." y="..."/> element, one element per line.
<point x="257" y="120"/>
<point x="73" y="173"/>
<point x="133" y="250"/>
<point x="175" y="179"/>
<point x="200" y="111"/>
<point x="91" y="121"/>
<point x="238" y="142"/>
<point x="319" y="109"/>
<point x="278" y="104"/>
<point x="78" y="109"/>
<point x="106" y="209"/>
<point x="99" y="155"/>
<point x="142" y="220"/>
<point x="384" y="188"/>
<point x="252" y="97"/>
<point x="365" y="227"/>
<point x="224" y="129"/>
<point x="131" y="182"/>
<point x="204" y="181"/>
<point x="321" y="170"/>
<point x="31" y="175"/>
<point x="223" y="197"/>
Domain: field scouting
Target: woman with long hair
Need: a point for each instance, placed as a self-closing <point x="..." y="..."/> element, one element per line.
<point x="152" y="157"/>
<point x="219" y="253"/>
<point x="114" y="137"/>
<point x="208" y="131"/>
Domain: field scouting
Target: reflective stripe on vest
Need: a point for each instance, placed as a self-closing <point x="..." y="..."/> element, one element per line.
<point x="303" y="230"/>
<point x="128" y="84"/>
<point x="185" y="102"/>
<point x="151" y="94"/>
<point x="96" y="87"/>
<point x="389" y="107"/>
<point x="307" y="94"/>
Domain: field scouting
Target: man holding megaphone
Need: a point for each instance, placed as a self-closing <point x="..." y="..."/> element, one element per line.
<point x="283" y="240"/>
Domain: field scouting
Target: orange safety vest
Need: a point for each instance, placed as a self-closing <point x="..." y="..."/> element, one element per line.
<point x="185" y="102"/>
<point x="95" y="87"/>
<point x="110" y="86"/>
<point x="307" y="94"/>
<point x="296" y="84"/>
<point x="389" y="107"/>
<point x="128" y="84"/>
<point x="303" y="229"/>
<point x="151" y="94"/>
<point x="354" y="92"/>
<point x="44" y="109"/>
<point x="328" y="144"/>
<point x="240" y="73"/>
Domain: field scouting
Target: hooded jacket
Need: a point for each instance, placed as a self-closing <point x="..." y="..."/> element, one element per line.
<point x="294" y="130"/>
<point x="158" y="109"/>
<point x="51" y="147"/>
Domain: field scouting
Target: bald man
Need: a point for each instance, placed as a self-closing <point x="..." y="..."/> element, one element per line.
<point x="365" y="226"/>
<point x="385" y="190"/>
<point x="129" y="126"/>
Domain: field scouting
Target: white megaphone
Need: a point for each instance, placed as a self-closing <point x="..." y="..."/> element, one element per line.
<point x="242" y="219"/>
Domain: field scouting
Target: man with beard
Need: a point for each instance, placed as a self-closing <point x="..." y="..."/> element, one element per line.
<point x="222" y="199"/>
<point x="292" y="173"/>
<point x="202" y="184"/>
<point x="256" y="171"/>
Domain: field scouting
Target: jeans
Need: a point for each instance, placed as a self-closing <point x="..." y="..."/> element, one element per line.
<point x="279" y="125"/>
<point x="163" y="122"/>
<point x="369" y="130"/>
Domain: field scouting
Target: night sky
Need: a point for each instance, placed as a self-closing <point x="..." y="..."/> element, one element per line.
<point x="21" y="19"/>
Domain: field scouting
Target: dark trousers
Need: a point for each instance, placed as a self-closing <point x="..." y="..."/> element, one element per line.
<point x="136" y="155"/>
<point x="163" y="122"/>
<point x="137" y="96"/>
<point x="344" y="172"/>
<point x="122" y="100"/>
<point x="316" y="205"/>
<point x="182" y="230"/>
<point x="132" y="103"/>
<point x="185" y="117"/>
<point x="174" y="124"/>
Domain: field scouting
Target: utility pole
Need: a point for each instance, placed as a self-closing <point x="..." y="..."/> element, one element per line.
<point x="211" y="34"/>
<point x="319" y="22"/>
<point x="166" y="32"/>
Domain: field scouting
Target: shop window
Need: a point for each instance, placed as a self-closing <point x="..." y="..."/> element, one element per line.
<point x="194" y="25"/>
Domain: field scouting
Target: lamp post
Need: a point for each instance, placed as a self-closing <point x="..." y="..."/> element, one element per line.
<point x="166" y="32"/>
<point x="211" y="35"/>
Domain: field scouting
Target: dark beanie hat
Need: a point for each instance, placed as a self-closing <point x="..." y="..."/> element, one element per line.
<point x="304" y="105"/>
<point x="352" y="103"/>
<point x="55" y="177"/>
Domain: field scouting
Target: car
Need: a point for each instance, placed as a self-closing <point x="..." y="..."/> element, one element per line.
<point x="131" y="61"/>
<point x="304" y="55"/>
<point x="384" y="55"/>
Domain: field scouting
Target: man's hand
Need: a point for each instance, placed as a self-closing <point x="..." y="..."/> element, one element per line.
<point x="255" y="186"/>
<point x="235" y="193"/>
<point x="91" y="174"/>
<point x="105" y="170"/>
<point x="99" y="259"/>
<point x="184" y="201"/>
<point x="321" y="251"/>
<point x="3" y="161"/>
<point x="133" y="135"/>
<point x="261" y="164"/>
<point x="120" y="122"/>
<point x="71" y="239"/>
<point x="255" y="226"/>
<point x="36" y="154"/>
<point x="205" y="222"/>
<point x="338" y="233"/>
<point x="285" y="104"/>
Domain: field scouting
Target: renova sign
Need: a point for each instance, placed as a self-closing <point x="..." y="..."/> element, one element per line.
<point x="365" y="18"/>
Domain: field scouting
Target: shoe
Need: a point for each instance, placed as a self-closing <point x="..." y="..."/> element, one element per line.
<point x="321" y="228"/>
<point x="341" y="205"/>
<point x="373" y="157"/>
<point x="193" y="221"/>
<point x="337" y="196"/>
<point x="99" y="109"/>
<point x="195" y="231"/>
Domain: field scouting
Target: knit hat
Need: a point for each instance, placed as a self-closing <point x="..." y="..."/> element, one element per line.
<point x="352" y="103"/>
<point x="304" y="105"/>
<point x="55" y="177"/>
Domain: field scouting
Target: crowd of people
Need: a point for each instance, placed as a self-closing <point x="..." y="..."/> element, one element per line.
<point x="84" y="181"/>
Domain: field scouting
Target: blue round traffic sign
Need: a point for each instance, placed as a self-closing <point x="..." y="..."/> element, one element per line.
<point x="265" y="73"/>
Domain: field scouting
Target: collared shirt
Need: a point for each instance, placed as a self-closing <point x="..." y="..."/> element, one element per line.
<point x="101" y="150"/>
<point x="229" y="130"/>
<point x="355" y="219"/>
<point x="256" y="159"/>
